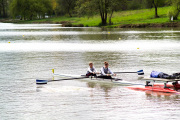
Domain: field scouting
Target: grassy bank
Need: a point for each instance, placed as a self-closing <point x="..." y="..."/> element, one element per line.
<point x="122" y="18"/>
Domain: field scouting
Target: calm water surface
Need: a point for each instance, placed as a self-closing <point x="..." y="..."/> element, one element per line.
<point x="30" y="51"/>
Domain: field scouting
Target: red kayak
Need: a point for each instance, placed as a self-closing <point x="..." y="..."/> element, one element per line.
<point x="154" y="88"/>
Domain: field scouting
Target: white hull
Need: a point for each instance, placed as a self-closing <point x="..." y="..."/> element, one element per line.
<point x="90" y="79"/>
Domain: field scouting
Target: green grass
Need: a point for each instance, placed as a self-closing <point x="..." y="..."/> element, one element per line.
<point x="119" y="18"/>
<point x="141" y="16"/>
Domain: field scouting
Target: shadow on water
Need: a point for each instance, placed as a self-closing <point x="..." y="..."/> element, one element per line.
<point x="104" y="86"/>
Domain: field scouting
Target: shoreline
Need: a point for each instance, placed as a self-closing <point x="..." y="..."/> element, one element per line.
<point x="150" y="25"/>
<point x="174" y="24"/>
<point x="141" y="18"/>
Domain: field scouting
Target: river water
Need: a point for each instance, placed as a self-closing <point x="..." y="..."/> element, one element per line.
<point x="31" y="51"/>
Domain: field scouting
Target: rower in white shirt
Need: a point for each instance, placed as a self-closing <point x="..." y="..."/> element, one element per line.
<point x="106" y="72"/>
<point x="91" y="70"/>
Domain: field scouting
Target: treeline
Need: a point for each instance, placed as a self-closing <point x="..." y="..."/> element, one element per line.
<point x="4" y="4"/>
<point x="31" y="9"/>
<point x="38" y="9"/>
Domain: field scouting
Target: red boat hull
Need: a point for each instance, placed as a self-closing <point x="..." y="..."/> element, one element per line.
<point x="176" y="86"/>
<point x="155" y="89"/>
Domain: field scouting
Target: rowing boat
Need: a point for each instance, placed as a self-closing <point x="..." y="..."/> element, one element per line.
<point x="170" y="83"/>
<point x="60" y="77"/>
<point x="153" y="88"/>
<point x="166" y="88"/>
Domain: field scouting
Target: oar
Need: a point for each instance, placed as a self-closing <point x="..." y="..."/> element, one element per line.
<point x="140" y="72"/>
<point x="41" y="81"/>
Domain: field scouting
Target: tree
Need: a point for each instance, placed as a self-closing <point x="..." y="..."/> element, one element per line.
<point x="175" y="9"/>
<point x="3" y="8"/>
<point x="54" y="7"/>
<point x="114" y="5"/>
<point x="147" y="4"/>
<point x="156" y="4"/>
<point x="30" y="9"/>
<point x="102" y="7"/>
<point x="84" y="7"/>
<point x="67" y="6"/>
<point x="134" y="4"/>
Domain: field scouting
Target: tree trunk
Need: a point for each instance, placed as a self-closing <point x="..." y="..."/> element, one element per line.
<point x="101" y="11"/>
<point x="24" y="17"/>
<point x="69" y="12"/>
<point x="155" y="6"/>
<point x="156" y="14"/>
<point x="105" y="13"/>
<point x="110" y="23"/>
<point x="101" y="15"/>
<point x="176" y="16"/>
<point x="31" y="17"/>
<point x="3" y="8"/>
<point x="69" y="7"/>
<point x="104" y="21"/>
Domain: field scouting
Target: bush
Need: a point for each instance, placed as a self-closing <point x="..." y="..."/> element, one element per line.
<point x="80" y="25"/>
<point x="100" y="24"/>
<point x="67" y="25"/>
<point x="173" y="13"/>
<point x="170" y="14"/>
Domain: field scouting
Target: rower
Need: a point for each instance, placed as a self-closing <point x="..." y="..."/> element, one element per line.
<point x="106" y="71"/>
<point x="91" y="70"/>
<point x="155" y="74"/>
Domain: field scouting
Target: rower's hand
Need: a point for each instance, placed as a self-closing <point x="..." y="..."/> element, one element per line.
<point x="108" y="74"/>
<point x="114" y="74"/>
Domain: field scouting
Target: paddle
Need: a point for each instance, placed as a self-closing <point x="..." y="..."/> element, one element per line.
<point x="140" y="72"/>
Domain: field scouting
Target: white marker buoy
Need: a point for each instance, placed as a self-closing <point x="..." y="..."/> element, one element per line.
<point x="171" y="18"/>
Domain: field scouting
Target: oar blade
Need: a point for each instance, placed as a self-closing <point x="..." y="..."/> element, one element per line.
<point x="38" y="81"/>
<point x="140" y="72"/>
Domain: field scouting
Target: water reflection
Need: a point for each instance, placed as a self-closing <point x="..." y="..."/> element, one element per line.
<point x="106" y="87"/>
<point x="56" y="33"/>
<point x="91" y="84"/>
<point x="161" y="96"/>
